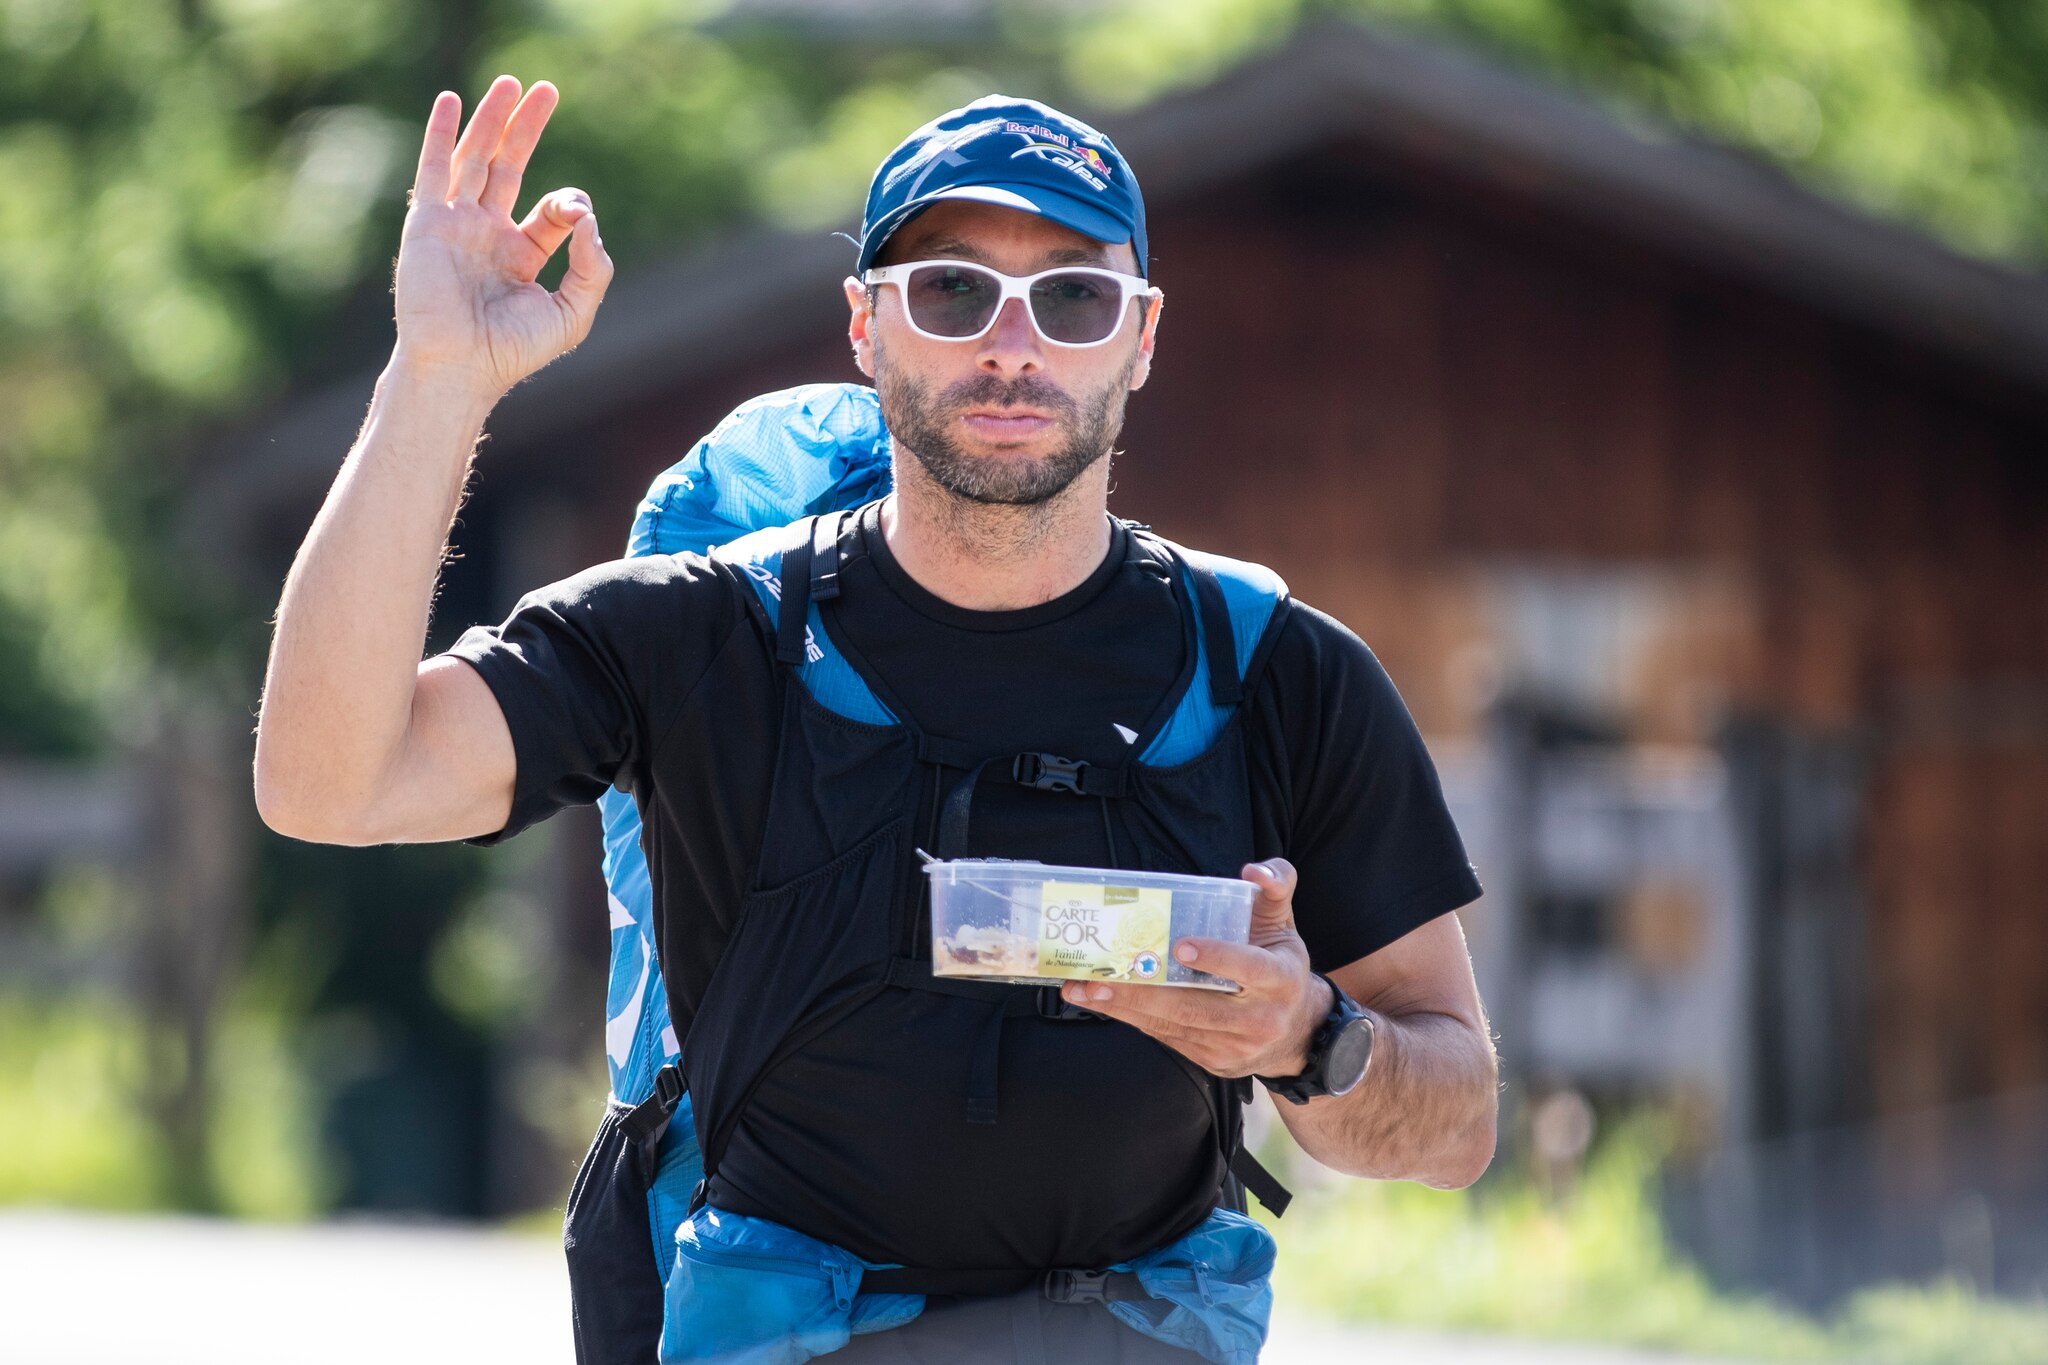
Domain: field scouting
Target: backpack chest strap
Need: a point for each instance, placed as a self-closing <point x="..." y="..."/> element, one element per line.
<point x="1038" y="771"/>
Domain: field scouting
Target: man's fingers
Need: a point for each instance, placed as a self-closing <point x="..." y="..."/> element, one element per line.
<point x="1249" y="966"/>
<point x="550" y="221"/>
<point x="470" y="167"/>
<point x="430" y="182"/>
<point x="1157" y="1006"/>
<point x="1210" y="1031"/>
<point x="515" y="148"/>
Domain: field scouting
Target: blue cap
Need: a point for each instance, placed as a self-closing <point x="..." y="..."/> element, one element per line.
<point x="1016" y="154"/>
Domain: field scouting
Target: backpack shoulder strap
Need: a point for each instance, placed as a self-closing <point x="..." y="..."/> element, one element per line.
<point x="791" y="569"/>
<point x="1226" y="684"/>
<point x="1237" y="601"/>
<point x="1236" y="604"/>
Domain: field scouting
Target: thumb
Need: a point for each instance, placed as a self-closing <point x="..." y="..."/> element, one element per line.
<point x="1275" y="878"/>
<point x="588" y="276"/>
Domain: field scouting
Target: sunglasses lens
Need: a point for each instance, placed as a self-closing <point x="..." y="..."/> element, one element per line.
<point x="951" y="300"/>
<point x="1077" y="308"/>
<point x="960" y="301"/>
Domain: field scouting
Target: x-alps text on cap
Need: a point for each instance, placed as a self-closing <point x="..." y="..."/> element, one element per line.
<point x="1061" y="150"/>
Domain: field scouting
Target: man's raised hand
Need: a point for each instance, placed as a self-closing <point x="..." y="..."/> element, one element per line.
<point x="468" y="305"/>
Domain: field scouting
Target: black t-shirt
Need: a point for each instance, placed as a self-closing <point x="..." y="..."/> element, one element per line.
<point x="658" y="674"/>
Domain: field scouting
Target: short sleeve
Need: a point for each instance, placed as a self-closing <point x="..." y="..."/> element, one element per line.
<point x="587" y="670"/>
<point x="1346" y="789"/>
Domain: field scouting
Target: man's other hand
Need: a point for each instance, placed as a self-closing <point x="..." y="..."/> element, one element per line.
<point x="1264" y="1027"/>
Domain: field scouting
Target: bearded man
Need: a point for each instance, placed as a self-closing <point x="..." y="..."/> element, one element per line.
<point x="898" y="1165"/>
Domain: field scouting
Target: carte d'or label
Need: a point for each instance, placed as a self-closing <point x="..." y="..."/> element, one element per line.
<point x="1104" y="933"/>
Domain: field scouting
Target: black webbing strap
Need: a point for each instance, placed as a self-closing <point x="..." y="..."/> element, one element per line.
<point x="988" y="1055"/>
<point x="792" y="621"/>
<point x="825" y="557"/>
<point x="917" y="974"/>
<point x="646" y="1123"/>
<point x="1040" y="771"/>
<point x="1225" y="687"/>
<point x="948" y="753"/>
<point x="1262" y="1183"/>
<point x="958" y="811"/>
<point x="1006" y="1000"/>
<point x="1061" y="1286"/>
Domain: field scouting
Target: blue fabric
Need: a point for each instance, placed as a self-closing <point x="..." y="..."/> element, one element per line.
<point x="1251" y="592"/>
<point x="675" y="1180"/>
<point x="816" y="447"/>
<point x="748" y="1291"/>
<point x="775" y="458"/>
<point x="1212" y="1291"/>
<point x="638" y="1040"/>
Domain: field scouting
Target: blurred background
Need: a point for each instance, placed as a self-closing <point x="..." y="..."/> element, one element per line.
<point x="1659" y="386"/>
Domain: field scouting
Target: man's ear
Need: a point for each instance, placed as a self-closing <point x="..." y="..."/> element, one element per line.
<point x="859" y="322"/>
<point x="1147" y="335"/>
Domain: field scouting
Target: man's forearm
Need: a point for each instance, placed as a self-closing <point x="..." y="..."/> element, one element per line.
<point x="352" y="621"/>
<point x="1426" y="1111"/>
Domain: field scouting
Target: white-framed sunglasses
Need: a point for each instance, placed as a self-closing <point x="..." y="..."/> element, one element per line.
<point x="1070" y="305"/>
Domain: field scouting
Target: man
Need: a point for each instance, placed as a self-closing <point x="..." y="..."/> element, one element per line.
<point x="984" y="661"/>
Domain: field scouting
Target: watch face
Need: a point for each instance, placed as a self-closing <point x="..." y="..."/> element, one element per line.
<point x="1348" y="1056"/>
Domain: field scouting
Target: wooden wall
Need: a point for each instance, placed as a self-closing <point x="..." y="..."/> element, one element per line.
<point x="1391" y="413"/>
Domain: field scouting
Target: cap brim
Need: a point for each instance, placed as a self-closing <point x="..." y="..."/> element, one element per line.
<point x="1064" y="209"/>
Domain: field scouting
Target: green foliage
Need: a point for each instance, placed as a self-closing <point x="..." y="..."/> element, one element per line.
<point x="1931" y="111"/>
<point x="74" y="1134"/>
<point x="1595" y="1266"/>
<point x="71" y="1077"/>
<point x="1948" y="1324"/>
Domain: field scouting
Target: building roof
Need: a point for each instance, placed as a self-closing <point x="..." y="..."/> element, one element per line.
<point x="1331" y="83"/>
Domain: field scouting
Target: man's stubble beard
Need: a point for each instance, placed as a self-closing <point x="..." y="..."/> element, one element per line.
<point x="924" y="427"/>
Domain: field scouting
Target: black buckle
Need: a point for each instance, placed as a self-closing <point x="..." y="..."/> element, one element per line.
<point x="1053" y="1005"/>
<point x="648" y="1120"/>
<point x="668" y="1088"/>
<point x="1076" y="1286"/>
<point x="1048" y="772"/>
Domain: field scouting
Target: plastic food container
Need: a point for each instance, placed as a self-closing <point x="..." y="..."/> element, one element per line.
<point x="1041" y="923"/>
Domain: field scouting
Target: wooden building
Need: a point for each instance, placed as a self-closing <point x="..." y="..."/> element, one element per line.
<point x="1544" y="406"/>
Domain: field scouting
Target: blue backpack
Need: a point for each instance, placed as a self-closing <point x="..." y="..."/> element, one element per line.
<point x="798" y="452"/>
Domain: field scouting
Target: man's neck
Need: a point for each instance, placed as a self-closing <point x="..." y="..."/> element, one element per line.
<point x="989" y="557"/>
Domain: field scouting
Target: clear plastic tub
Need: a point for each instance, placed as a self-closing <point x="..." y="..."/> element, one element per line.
<point x="1042" y="923"/>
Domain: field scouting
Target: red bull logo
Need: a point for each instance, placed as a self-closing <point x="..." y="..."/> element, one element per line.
<point x="1084" y="162"/>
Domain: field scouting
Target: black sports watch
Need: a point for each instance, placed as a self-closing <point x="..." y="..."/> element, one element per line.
<point x="1338" y="1053"/>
